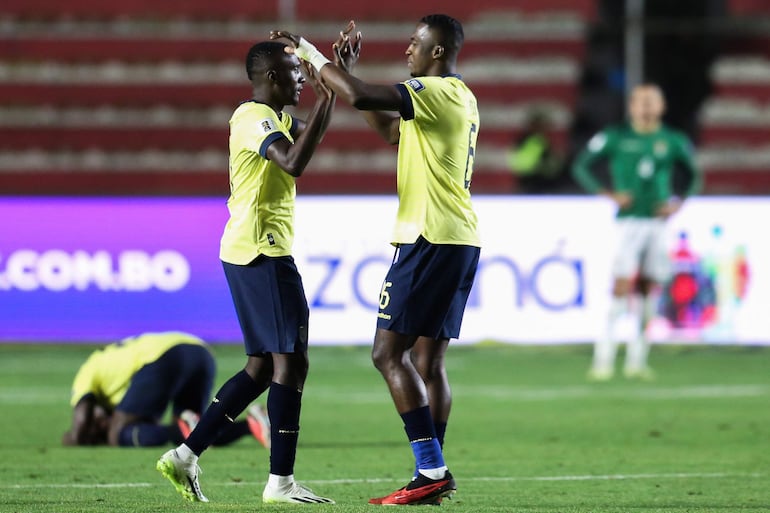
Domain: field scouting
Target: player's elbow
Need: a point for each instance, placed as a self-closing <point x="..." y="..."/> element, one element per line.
<point x="359" y="102"/>
<point x="294" y="170"/>
<point x="295" y="164"/>
<point x="365" y="102"/>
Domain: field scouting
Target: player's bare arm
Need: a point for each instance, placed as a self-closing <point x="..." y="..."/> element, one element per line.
<point x="347" y="51"/>
<point x="293" y="158"/>
<point x="669" y="208"/>
<point x="321" y="90"/>
<point x="621" y="198"/>
<point x="364" y="96"/>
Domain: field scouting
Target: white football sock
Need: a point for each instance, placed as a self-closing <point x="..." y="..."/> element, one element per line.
<point x="606" y="346"/>
<point x="185" y="453"/>
<point x="434" y="473"/>
<point x="639" y="346"/>
<point x="275" y="481"/>
<point x="636" y="353"/>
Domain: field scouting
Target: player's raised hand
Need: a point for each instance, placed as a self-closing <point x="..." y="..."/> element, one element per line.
<point x="347" y="49"/>
<point x="284" y="34"/>
<point x="302" y="48"/>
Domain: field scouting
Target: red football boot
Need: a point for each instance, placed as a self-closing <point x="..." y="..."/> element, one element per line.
<point x="421" y="490"/>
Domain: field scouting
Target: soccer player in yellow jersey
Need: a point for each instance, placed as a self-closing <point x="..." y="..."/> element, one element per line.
<point x="121" y="392"/>
<point x="269" y="148"/>
<point x="434" y="119"/>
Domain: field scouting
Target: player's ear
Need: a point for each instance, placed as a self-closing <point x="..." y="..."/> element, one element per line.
<point x="438" y="51"/>
<point x="272" y="75"/>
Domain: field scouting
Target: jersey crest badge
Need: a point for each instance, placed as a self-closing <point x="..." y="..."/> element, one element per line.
<point x="660" y="148"/>
<point x="267" y="125"/>
<point x="415" y="84"/>
<point x="597" y="142"/>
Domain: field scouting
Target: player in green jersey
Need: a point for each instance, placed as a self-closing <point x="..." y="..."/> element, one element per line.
<point x="434" y="119"/>
<point x="642" y="155"/>
<point x="268" y="149"/>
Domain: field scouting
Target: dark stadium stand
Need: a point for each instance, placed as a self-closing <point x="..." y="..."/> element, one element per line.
<point x="122" y="97"/>
<point x="398" y="10"/>
<point x="734" y="123"/>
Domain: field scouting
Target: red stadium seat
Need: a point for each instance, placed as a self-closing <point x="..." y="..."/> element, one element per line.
<point x="140" y="47"/>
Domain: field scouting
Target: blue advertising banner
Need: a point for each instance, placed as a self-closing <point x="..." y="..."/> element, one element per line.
<point x="100" y="269"/>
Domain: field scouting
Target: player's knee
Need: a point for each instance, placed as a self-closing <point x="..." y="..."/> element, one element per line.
<point x="291" y="370"/>
<point x="430" y="370"/>
<point x="382" y="358"/>
<point x="259" y="368"/>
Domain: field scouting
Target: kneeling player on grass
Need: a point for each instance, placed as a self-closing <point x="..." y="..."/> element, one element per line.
<point x="121" y="392"/>
<point x="268" y="150"/>
<point x="434" y="119"/>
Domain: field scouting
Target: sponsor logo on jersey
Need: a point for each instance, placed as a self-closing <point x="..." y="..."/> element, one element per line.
<point x="267" y="125"/>
<point x="415" y="84"/>
<point x="631" y="145"/>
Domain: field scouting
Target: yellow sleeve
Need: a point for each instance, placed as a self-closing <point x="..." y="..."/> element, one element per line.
<point x="85" y="380"/>
<point x="421" y="99"/>
<point x="256" y="126"/>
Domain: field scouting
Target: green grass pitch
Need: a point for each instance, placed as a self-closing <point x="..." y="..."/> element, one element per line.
<point x="527" y="434"/>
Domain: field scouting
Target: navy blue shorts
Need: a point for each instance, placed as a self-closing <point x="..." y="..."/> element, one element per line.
<point x="271" y="305"/>
<point x="183" y="376"/>
<point x="426" y="289"/>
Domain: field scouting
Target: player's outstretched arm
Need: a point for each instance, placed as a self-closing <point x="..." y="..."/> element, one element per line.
<point x="361" y="95"/>
<point x="293" y="158"/>
<point x="347" y="50"/>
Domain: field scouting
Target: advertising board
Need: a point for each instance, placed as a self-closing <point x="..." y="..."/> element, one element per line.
<point x="99" y="269"/>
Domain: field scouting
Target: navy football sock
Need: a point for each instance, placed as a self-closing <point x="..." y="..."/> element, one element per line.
<point x="440" y="428"/>
<point x="231" y="433"/>
<point x="283" y="408"/>
<point x="418" y="425"/>
<point x="229" y="402"/>
<point x="144" y="435"/>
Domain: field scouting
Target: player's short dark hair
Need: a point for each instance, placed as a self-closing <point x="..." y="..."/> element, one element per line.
<point x="262" y="56"/>
<point x="451" y="35"/>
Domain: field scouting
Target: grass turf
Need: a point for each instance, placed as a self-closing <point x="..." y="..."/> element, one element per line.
<point x="527" y="434"/>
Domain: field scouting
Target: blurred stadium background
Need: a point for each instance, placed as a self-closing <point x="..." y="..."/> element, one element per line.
<point x="113" y="178"/>
<point x="115" y="101"/>
<point x="133" y="97"/>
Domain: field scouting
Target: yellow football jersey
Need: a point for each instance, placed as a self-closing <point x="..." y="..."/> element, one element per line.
<point x="108" y="371"/>
<point x="261" y="202"/>
<point x="439" y="126"/>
